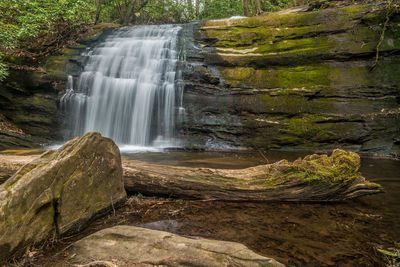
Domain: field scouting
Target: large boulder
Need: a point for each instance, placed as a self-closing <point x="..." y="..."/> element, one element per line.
<point x="311" y="179"/>
<point x="60" y="192"/>
<point x="134" y="246"/>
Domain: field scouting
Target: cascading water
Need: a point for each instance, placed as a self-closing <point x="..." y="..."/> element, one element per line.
<point x="127" y="90"/>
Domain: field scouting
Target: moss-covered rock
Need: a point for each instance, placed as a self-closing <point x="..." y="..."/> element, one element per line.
<point x="299" y="80"/>
<point x="29" y="96"/>
<point x="290" y="38"/>
<point x="59" y="192"/>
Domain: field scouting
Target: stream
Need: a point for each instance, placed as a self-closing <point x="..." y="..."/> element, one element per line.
<point x="323" y="234"/>
<point x="297" y="234"/>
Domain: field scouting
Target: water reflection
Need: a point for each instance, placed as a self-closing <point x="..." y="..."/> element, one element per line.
<point x="332" y="234"/>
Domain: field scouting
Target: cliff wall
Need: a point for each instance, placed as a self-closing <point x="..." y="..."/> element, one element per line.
<point x="297" y="79"/>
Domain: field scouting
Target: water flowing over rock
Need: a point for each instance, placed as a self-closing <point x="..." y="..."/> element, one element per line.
<point x="60" y="192"/>
<point x="127" y="89"/>
<point x="134" y="246"/>
<point x="312" y="179"/>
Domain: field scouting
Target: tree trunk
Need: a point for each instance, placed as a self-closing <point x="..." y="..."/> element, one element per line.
<point x="258" y="7"/>
<point x="252" y="9"/>
<point x="98" y="11"/>
<point x="314" y="178"/>
<point x="197" y="9"/>
<point x="246" y="8"/>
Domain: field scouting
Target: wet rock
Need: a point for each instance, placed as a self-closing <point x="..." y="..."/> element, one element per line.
<point x="312" y="179"/>
<point x="29" y="96"/>
<point x="60" y="192"/>
<point x="134" y="246"/>
<point x="299" y="80"/>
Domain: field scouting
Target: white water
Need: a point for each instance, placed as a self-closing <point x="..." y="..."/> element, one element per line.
<point x="127" y="89"/>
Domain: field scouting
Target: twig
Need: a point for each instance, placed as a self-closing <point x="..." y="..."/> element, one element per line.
<point x="262" y="154"/>
<point x="382" y="37"/>
<point x="112" y="205"/>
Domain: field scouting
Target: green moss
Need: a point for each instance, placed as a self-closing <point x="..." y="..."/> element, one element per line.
<point x="318" y="128"/>
<point x="373" y="18"/>
<point x="295" y="19"/>
<point x="54" y="62"/>
<point x="341" y="167"/>
<point x="32" y="118"/>
<point x="299" y="38"/>
<point x="308" y="76"/>
<point x="40" y="102"/>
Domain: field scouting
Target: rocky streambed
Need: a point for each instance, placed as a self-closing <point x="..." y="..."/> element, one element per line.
<point x="291" y="233"/>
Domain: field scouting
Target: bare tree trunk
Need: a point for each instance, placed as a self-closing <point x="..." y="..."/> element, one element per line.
<point x="258" y="7"/>
<point x="197" y="9"/>
<point x="98" y="11"/>
<point x="246" y="8"/>
<point x="252" y="9"/>
<point x="294" y="3"/>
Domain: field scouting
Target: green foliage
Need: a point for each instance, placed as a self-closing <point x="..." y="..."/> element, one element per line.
<point x="215" y="9"/>
<point x="275" y="5"/>
<point x="24" y="20"/>
<point x="27" y="19"/>
<point x="167" y="11"/>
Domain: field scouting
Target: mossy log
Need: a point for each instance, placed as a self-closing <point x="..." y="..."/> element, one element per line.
<point x="312" y="179"/>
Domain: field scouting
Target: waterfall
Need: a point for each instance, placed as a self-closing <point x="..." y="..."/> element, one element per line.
<point x="127" y="90"/>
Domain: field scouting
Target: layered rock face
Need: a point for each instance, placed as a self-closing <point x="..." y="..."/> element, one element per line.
<point x="134" y="246"/>
<point x="60" y="192"/>
<point x="296" y="79"/>
<point x="28" y="100"/>
<point x="29" y="97"/>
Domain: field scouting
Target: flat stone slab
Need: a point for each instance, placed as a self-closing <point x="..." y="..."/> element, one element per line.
<point x="135" y="246"/>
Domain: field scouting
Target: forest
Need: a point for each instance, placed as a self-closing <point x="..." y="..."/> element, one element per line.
<point x="35" y="28"/>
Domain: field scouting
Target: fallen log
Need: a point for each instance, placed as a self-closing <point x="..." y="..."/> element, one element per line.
<point x="315" y="178"/>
